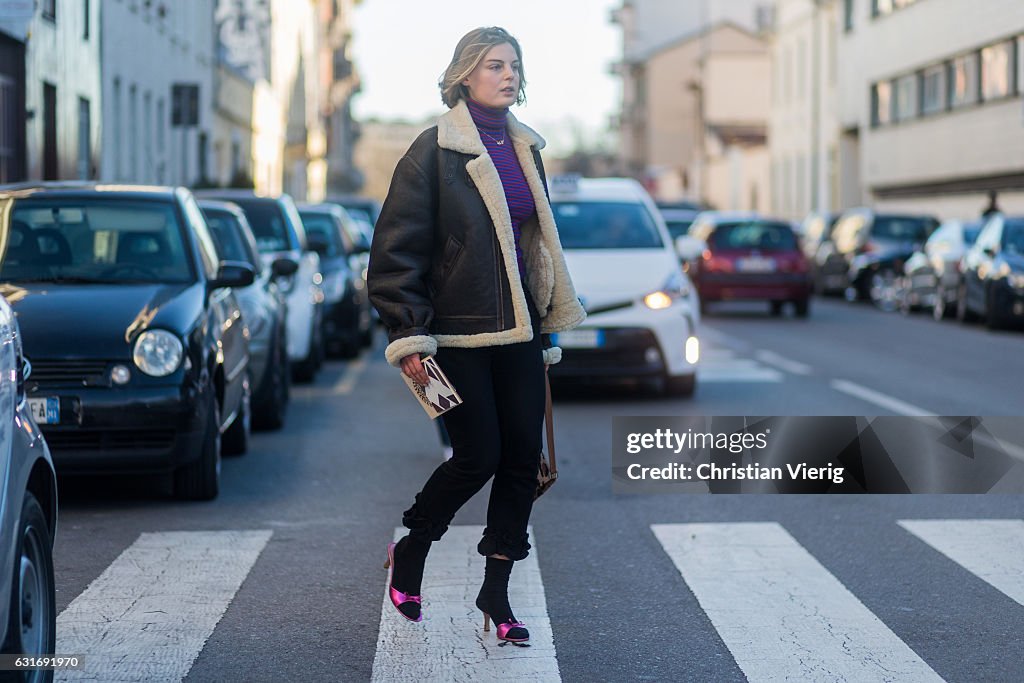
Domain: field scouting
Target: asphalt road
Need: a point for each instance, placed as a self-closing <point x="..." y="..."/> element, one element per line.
<point x="330" y="489"/>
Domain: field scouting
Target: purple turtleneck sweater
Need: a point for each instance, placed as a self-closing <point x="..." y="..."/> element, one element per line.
<point x="491" y="124"/>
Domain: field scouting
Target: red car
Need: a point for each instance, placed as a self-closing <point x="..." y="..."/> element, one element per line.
<point x="748" y="259"/>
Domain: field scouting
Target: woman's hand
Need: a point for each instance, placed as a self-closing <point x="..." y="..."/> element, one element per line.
<point x="413" y="369"/>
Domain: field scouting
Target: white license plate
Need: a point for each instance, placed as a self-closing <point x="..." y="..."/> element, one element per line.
<point x="578" y="339"/>
<point x="755" y="265"/>
<point x="45" y="411"/>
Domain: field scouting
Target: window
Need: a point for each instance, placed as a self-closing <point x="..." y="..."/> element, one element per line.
<point x="1020" y="64"/>
<point x="8" y="129"/>
<point x="997" y="70"/>
<point x="203" y="153"/>
<point x="116" y="130"/>
<point x="963" y="80"/>
<point x="147" y="137"/>
<point x="847" y="15"/>
<point x="906" y="97"/>
<point x="84" y="141"/>
<point x="50" y="163"/>
<point x="85" y="19"/>
<point x="801" y="72"/>
<point x="48" y="8"/>
<point x="884" y="7"/>
<point x="133" y="135"/>
<point x="933" y="89"/>
<point x="881" y="103"/>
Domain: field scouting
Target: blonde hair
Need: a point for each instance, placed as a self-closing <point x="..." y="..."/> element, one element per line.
<point x="468" y="54"/>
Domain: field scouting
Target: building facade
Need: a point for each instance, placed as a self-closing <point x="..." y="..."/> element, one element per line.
<point x="930" y="103"/>
<point x="804" y="130"/>
<point x="59" y="130"/>
<point x="158" y="63"/>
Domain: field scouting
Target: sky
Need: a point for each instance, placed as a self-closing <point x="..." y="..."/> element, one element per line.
<point x="401" y="47"/>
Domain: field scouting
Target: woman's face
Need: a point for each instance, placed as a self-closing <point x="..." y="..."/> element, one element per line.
<point x="495" y="80"/>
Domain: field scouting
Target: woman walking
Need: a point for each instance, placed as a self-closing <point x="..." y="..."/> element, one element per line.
<point x="466" y="264"/>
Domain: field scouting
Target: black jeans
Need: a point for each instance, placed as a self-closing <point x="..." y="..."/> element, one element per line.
<point x="496" y="432"/>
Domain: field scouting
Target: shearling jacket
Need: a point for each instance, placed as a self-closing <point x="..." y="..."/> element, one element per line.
<point x="443" y="268"/>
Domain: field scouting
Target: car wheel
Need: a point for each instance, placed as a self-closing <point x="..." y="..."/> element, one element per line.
<point x="270" y="411"/>
<point x="993" y="320"/>
<point x="803" y="307"/>
<point x="304" y="371"/>
<point x="963" y="314"/>
<point x="776" y="308"/>
<point x="32" y="617"/>
<point x="236" y="438"/>
<point x="200" y="480"/>
<point x="940" y="310"/>
<point x="683" y="385"/>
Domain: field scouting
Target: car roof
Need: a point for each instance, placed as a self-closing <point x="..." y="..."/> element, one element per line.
<point x="235" y="194"/>
<point x="568" y="188"/>
<point x="716" y="217"/>
<point x="65" y="188"/>
<point x="219" y="204"/>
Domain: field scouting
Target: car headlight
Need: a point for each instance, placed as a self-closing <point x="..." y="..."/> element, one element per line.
<point x="675" y="287"/>
<point x="157" y="353"/>
<point x="1016" y="280"/>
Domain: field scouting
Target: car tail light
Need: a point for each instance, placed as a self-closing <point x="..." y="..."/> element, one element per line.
<point x="716" y="264"/>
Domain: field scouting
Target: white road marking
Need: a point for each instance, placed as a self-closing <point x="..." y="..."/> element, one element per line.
<point x="349" y="378"/>
<point x="791" y="366"/>
<point x="879" y="399"/>
<point x="782" y="615"/>
<point x="991" y="549"/>
<point x="449" y="644"/>
<point x="148" y="615"/>
<point x="723" y="365"/>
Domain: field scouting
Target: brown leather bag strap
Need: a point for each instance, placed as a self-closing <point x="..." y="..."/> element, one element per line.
<point x="550" y="425"/>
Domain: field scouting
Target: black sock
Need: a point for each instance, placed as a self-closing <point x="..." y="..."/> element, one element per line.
<point x="407" y="573"/>
<point x="493" y="597"/>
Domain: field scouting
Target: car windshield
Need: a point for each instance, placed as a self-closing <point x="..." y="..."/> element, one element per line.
<point x="1013" y="237"/>
<point x="267" y="221"/>
<point x="606" y="225"/>
<point x="902" y="228"/>
<point x="762" y="235"/>
<point x="360" y="214"/>
<point x="323" y="225"/>
<point x="107" y="240"/>
<point x="227" y="234"/>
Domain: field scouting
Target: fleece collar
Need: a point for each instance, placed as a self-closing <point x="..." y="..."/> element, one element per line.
<point x="457" y="131"/>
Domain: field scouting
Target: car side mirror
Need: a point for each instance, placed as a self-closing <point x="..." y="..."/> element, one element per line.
<point x="284" y="267"/>
<point x="233" y="274"/>
<point x="689" y="248"/>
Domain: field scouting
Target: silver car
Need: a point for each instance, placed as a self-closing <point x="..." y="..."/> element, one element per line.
<point x="28" y="510"/>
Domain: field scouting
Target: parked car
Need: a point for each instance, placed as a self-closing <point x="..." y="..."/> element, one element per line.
<point x="748" y="258"/>
<point x="264" y="311"/>
<point x="932" y="274"/>
<point x="280" y="234"/>
<point x="359" y="208"/>
<point x="871" y="249"/>
<point x="135" y="337"/>
<point x="993" y="274"/>
<point x="642" y="312"/>
<point x="348" y="325"/>
<point x="816" y="242"/>
<point x="28" y="511"/>
<point x="678" y="221"/>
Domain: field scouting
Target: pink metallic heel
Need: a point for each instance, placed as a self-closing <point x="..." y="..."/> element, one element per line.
<point x="503" y="630"/>
<point x="399" y="598"/>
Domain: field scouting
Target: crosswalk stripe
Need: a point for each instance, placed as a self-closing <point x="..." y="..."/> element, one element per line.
<point x="991" y="549"/>
<point x="148" y="615"/>
<point x="782" y="615"/>
<point x="449" y="644"/>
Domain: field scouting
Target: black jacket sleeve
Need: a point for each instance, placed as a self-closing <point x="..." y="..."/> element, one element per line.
<point x="402" y="246"/>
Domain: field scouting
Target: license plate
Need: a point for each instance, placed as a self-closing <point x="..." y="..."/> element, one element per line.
<point x="45" y="411"/>
<point x="755" y="265"/>
<point x="578" y="339"/>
